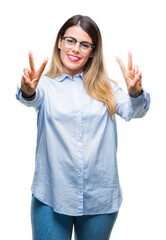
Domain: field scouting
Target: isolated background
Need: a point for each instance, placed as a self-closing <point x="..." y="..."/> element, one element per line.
<point x="135" y="25"/>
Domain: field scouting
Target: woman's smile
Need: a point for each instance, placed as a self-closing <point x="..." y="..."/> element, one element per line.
<point x="73" y="58"/>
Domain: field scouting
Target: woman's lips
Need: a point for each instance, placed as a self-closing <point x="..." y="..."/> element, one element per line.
<point x="73" y="58"/>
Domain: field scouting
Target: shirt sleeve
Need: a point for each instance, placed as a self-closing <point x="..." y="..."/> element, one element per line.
<point x="128" y="107"/>
<point x="36" y="102"/>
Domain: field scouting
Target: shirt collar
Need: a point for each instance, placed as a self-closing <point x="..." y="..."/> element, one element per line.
<point x="66" y="76"/>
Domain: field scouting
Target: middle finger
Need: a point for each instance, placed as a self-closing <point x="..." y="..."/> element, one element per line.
<point x="31" y="62"/>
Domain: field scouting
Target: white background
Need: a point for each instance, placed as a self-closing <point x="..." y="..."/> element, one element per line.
<point x="133" y="25"/>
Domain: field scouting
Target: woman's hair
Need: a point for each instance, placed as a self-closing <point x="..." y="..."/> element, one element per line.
<point x="95" y="77"/>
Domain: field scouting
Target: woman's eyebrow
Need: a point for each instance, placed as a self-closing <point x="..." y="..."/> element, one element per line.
<point x="84" y="41"/>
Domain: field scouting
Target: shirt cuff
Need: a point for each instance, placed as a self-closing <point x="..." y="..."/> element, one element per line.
<point x="139" y="99"/>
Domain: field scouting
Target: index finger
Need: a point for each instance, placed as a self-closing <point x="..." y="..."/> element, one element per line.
<point x="130" y="64"/>
<point x="31" y="62"/>
<point x="122" y="66"/>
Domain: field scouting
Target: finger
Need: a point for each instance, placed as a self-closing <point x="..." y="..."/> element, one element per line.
<point x="42" y="67"/>
<point x="140" y="76"/>
<point x="31" y="62"/>
<point x="122" y="66"/>
<point x="136" y="69"/>
<point x="25" y="79"/>
<point x="130" y="64"/>
<point x="137" y="78"/>
<point x="22" y="80"/>
<point x="26" y="72"/>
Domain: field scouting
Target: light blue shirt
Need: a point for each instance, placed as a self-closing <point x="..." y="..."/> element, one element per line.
<point x="76" y="166"/>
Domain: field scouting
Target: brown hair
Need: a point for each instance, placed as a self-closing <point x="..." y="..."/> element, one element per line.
<point x="95" y="78"/>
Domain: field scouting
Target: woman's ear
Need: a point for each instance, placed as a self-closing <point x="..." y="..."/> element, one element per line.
<point x="59" y="43"/>
<point x="91" y="55"/>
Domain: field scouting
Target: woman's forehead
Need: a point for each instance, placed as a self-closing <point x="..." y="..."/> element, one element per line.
<point x="78" y="33"/>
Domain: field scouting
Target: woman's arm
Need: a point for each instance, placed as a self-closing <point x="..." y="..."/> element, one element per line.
<point x="128" y="107"/>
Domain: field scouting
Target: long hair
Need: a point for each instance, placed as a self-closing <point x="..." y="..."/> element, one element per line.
<point x="95" y="77"/>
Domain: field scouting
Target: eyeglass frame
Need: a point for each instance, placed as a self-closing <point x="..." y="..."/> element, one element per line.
<point x="92" y="45"/>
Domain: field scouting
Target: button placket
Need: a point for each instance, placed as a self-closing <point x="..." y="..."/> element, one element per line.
<point x="79" y="138"/>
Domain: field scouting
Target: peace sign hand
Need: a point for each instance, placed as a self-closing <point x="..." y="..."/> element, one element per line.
<point x="132" y="76"/>
<point x="30" y="79"/>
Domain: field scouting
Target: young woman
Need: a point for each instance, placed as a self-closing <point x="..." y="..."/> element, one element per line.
<point x="76" y="177"/>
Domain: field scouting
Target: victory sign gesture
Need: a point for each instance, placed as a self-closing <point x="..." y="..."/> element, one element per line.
<point x="132" y="76"/>
<point x="30" y="79"/>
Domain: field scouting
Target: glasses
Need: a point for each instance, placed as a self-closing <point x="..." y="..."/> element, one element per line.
<point x="70" y="42"/>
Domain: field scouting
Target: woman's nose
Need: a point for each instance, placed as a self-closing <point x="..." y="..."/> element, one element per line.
<point x="76" y="48"/>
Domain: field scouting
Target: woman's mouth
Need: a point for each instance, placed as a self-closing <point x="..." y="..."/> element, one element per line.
<point x="73" y="58"/>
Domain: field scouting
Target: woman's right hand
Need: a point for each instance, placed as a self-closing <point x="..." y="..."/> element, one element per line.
<point x="30" y="79"/>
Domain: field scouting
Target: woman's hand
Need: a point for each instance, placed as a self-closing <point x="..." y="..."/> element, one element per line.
<point x="31" y="77"/>
<point x="132" y="76"/>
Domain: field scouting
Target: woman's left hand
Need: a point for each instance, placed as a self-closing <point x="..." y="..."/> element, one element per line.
<point x="132" y="76"/>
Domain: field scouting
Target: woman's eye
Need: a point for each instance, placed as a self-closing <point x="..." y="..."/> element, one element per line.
<point x="69" y="40"/>
<point x="85" y="45"/>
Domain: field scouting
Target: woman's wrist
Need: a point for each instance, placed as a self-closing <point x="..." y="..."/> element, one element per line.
<point x="24" y="95"/>
<point x="136" y="94"/>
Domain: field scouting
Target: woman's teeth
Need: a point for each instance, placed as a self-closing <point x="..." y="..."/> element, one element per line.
<point x="73" y="58"/>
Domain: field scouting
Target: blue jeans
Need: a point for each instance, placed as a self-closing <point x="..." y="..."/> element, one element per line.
<point x="49" y="225"/>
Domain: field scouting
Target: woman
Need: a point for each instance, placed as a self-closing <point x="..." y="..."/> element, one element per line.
<point x="76" y="176"/>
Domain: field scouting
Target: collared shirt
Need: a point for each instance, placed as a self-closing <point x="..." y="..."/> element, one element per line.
<point x="76" y="165"/>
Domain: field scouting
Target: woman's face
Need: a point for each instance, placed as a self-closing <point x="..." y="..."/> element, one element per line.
<point x="73" y="58"/>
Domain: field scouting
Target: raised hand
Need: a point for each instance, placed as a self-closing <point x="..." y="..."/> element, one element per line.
<point x="132" y="76"/>
<point x="31" y="77"/>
